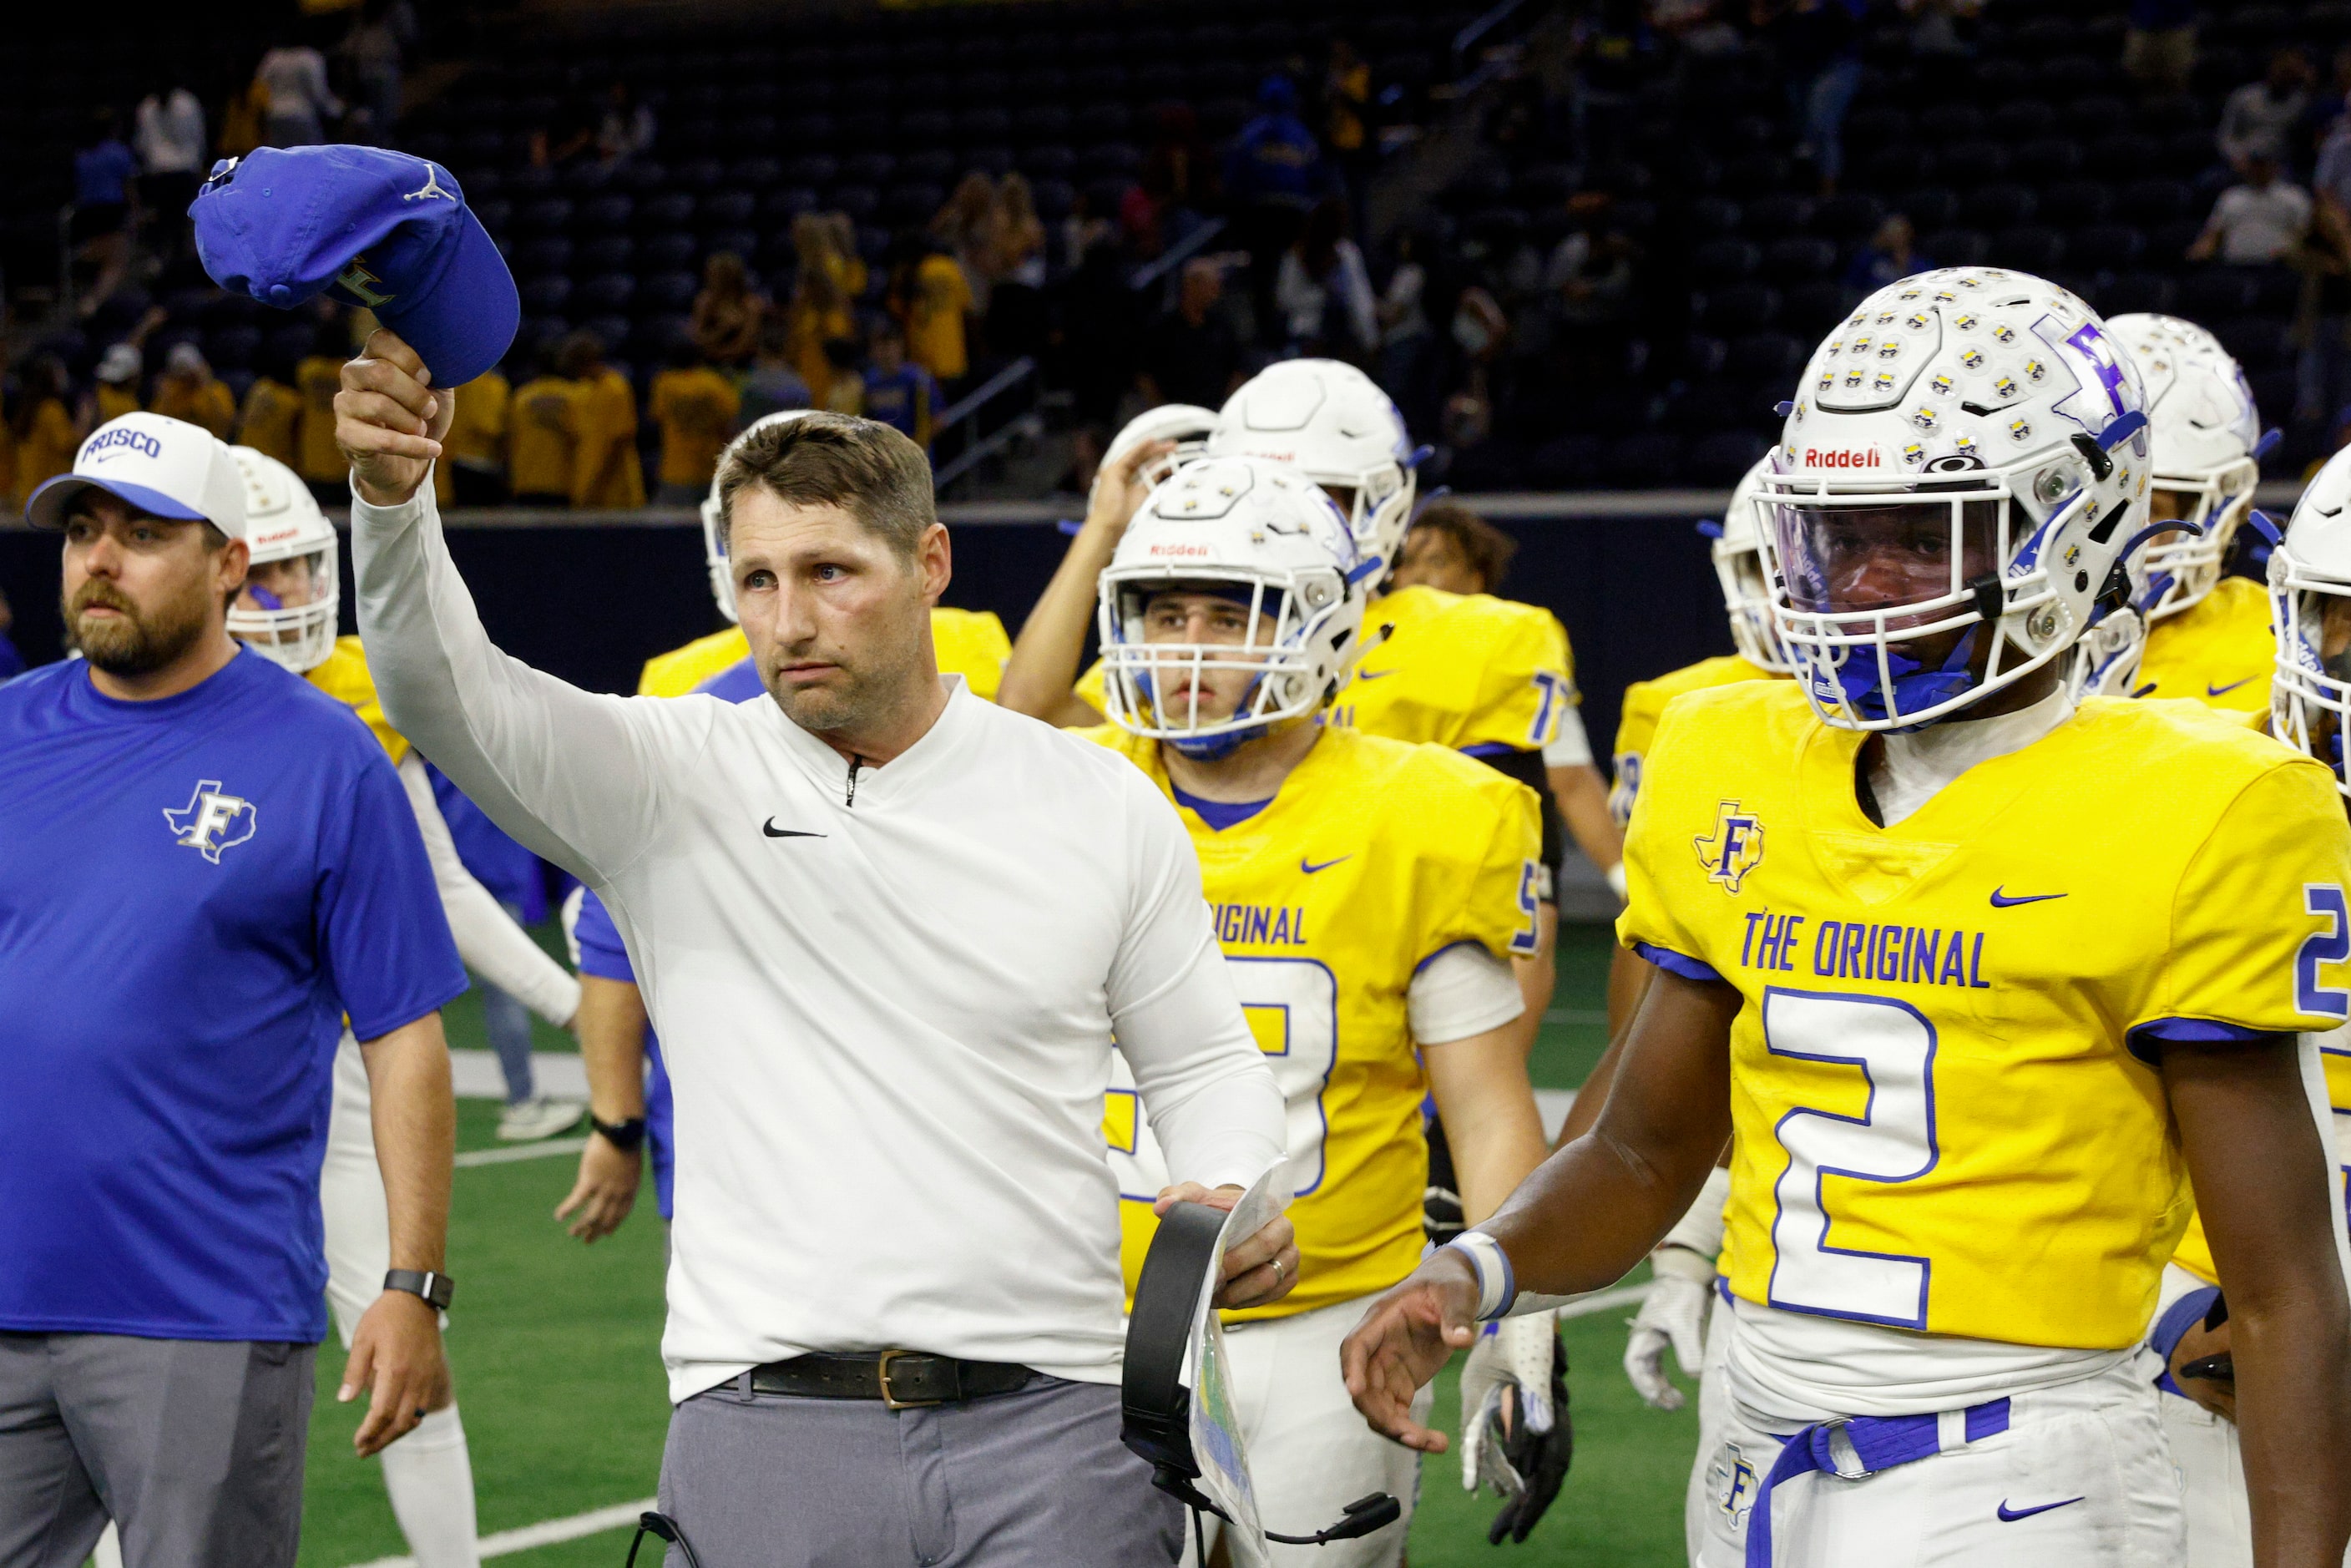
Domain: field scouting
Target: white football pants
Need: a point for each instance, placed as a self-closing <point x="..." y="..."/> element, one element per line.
<point x="1310" y="1451"/>
<point x="429" y="1473"/>
<point x="1713" y="1410"/>
<point x="2079" y="1480"/>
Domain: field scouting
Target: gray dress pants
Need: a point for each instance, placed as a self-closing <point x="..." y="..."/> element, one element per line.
<point x="1035" y="1478"/>
<point x="193" y="1447"/>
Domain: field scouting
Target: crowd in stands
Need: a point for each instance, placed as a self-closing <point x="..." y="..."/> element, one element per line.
<point x="1664" y="204"/>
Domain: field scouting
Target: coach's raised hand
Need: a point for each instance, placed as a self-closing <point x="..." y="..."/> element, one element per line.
<point x="389" y="421"/>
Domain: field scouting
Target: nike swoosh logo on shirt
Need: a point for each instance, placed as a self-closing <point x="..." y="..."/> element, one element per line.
<point x="2212" y="691"/>
<point x="2011" y="1515"/>
<point x="2001" y="899"/>
<point x="1309" y="867"/>
<point x="773" y="831"/>
<point x="1374" y="675"/>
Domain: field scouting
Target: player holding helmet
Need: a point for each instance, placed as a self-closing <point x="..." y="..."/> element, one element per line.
<point x="287" y="613"/>
<point x="1963" y="964"/>
<point x="2207" y="636"/>
<point x="1369" y="896"/>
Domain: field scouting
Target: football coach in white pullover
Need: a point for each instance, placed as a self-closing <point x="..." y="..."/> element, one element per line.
<point x="886" y="931"/>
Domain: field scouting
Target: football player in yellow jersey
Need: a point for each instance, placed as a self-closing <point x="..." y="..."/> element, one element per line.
<point x="2310" y="579"/>
<point x="1979" y="978"/>
<point x="2208" y="635"/>
<point x="286" y="613"/>
<point x="1369" y="896"/>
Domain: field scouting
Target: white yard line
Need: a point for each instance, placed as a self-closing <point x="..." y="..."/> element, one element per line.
<point x="543" y="1149"/>
<point x="547" y="1532"/>
<point x="559" y="1074"/>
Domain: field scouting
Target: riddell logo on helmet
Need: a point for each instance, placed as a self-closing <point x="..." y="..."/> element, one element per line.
<point x="1185" y="550"/>
<point x="1825" y="457"/>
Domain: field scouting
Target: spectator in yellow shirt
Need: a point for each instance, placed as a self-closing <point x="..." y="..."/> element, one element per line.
<point x="844" y="361"/>
<point x="271" y="419"/>
<point x="542" y="440"/>
<point x="45" y="434"/>
<point x="605" y="473"/>
<point x="695" y="408"/>
<point x="188" y="390"/>
<point x="931" y="300"/>
<point x="473" y="473"/>
<point x="117" y="393"/>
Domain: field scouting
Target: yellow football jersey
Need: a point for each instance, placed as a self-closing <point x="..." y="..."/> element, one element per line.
<point x="1940" y="1122"/>
<point x="1374" y="856"/>
<point x="2219" y="651"/>
<point x="344" y="676"/>
<point x="1644" y="704"/>
<point x="1469" y="672"/>
<point x="970" y="644"/>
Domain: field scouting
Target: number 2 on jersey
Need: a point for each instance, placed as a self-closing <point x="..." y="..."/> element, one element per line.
<point x="1891" y="1046"/>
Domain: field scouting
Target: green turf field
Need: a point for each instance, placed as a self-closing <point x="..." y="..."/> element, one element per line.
<point x="555" y="1348"/>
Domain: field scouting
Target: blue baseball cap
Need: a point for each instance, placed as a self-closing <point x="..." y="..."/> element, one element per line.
<point x="370" y="227"/>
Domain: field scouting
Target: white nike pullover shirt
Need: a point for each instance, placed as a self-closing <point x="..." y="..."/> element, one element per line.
<point x="886" y="1003"/>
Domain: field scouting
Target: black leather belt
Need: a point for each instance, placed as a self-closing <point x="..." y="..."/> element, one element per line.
<point x="901" y="1379"/>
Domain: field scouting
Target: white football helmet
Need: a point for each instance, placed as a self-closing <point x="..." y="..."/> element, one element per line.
<point x="1332" y="421"/>
<point x="1188" y="424"/>
<point x="713" y="536"/>
<point x="1746" y="581"/>
<point x="282" y="522"/>
<point x="1264" y="535"/>
<point x="1968" y="452"/>
<point x="2208" y="435"/>
<point x="2310" y="596"/>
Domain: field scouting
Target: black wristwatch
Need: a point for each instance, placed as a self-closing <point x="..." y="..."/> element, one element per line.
<point x="626" y="1136"/>
<point x="435" y="1289"/>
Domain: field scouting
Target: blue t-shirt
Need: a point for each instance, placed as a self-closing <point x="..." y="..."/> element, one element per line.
<point x="509" y="871"/>
<point x="603" y="955"/>
<point x="193" y="894"/>
<point x="902" y="400"/>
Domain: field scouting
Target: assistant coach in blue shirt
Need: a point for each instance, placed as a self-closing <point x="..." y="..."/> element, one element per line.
<point x="206" y="865"/>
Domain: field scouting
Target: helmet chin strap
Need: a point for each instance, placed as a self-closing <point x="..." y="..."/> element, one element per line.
<point x="1914" y="685"/>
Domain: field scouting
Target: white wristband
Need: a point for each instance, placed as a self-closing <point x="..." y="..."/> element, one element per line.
<point x="1615" y="875"/>
<point x="1498" y="1287"/>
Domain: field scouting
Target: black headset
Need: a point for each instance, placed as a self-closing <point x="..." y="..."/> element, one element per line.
<point x="1155" y="1405"/>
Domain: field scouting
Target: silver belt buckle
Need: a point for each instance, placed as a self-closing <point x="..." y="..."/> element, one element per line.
<point x="1841" y="1451"/>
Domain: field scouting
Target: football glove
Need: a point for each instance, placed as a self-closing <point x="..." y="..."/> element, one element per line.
<point x="1673" y="1313"/>
<point x="1516" y="1434"/>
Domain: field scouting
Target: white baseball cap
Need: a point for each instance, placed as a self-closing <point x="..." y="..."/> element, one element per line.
<point x="165" y="467"/>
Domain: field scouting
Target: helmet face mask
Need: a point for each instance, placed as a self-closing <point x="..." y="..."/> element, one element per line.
<point x="2206" y="436"/>
<point x="288" y="610"/>
<point x="1232" y="608"/>
<point x="1745" y="580"/>
<point x="1958" y="482"/>
<point x="2310" y="611"/>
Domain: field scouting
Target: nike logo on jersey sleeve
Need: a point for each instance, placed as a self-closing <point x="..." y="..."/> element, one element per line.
<point x="2212" y="691"/>
<point x="2003" y="899"/>
<point x="1374" y="675"/>
<point x="2011" y="1515"/>
<point x="773" y="831"/>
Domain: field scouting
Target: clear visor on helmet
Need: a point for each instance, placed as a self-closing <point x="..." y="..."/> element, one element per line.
<point x="1200" y="656"/>
<point x="2310" y="694"/>
<point x="2184" y="564"/>
<point x="1881" y="594"/>
<point x="287" y="608"/>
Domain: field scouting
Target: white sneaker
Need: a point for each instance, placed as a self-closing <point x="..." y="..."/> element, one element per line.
<point x="539" y="1117"/>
